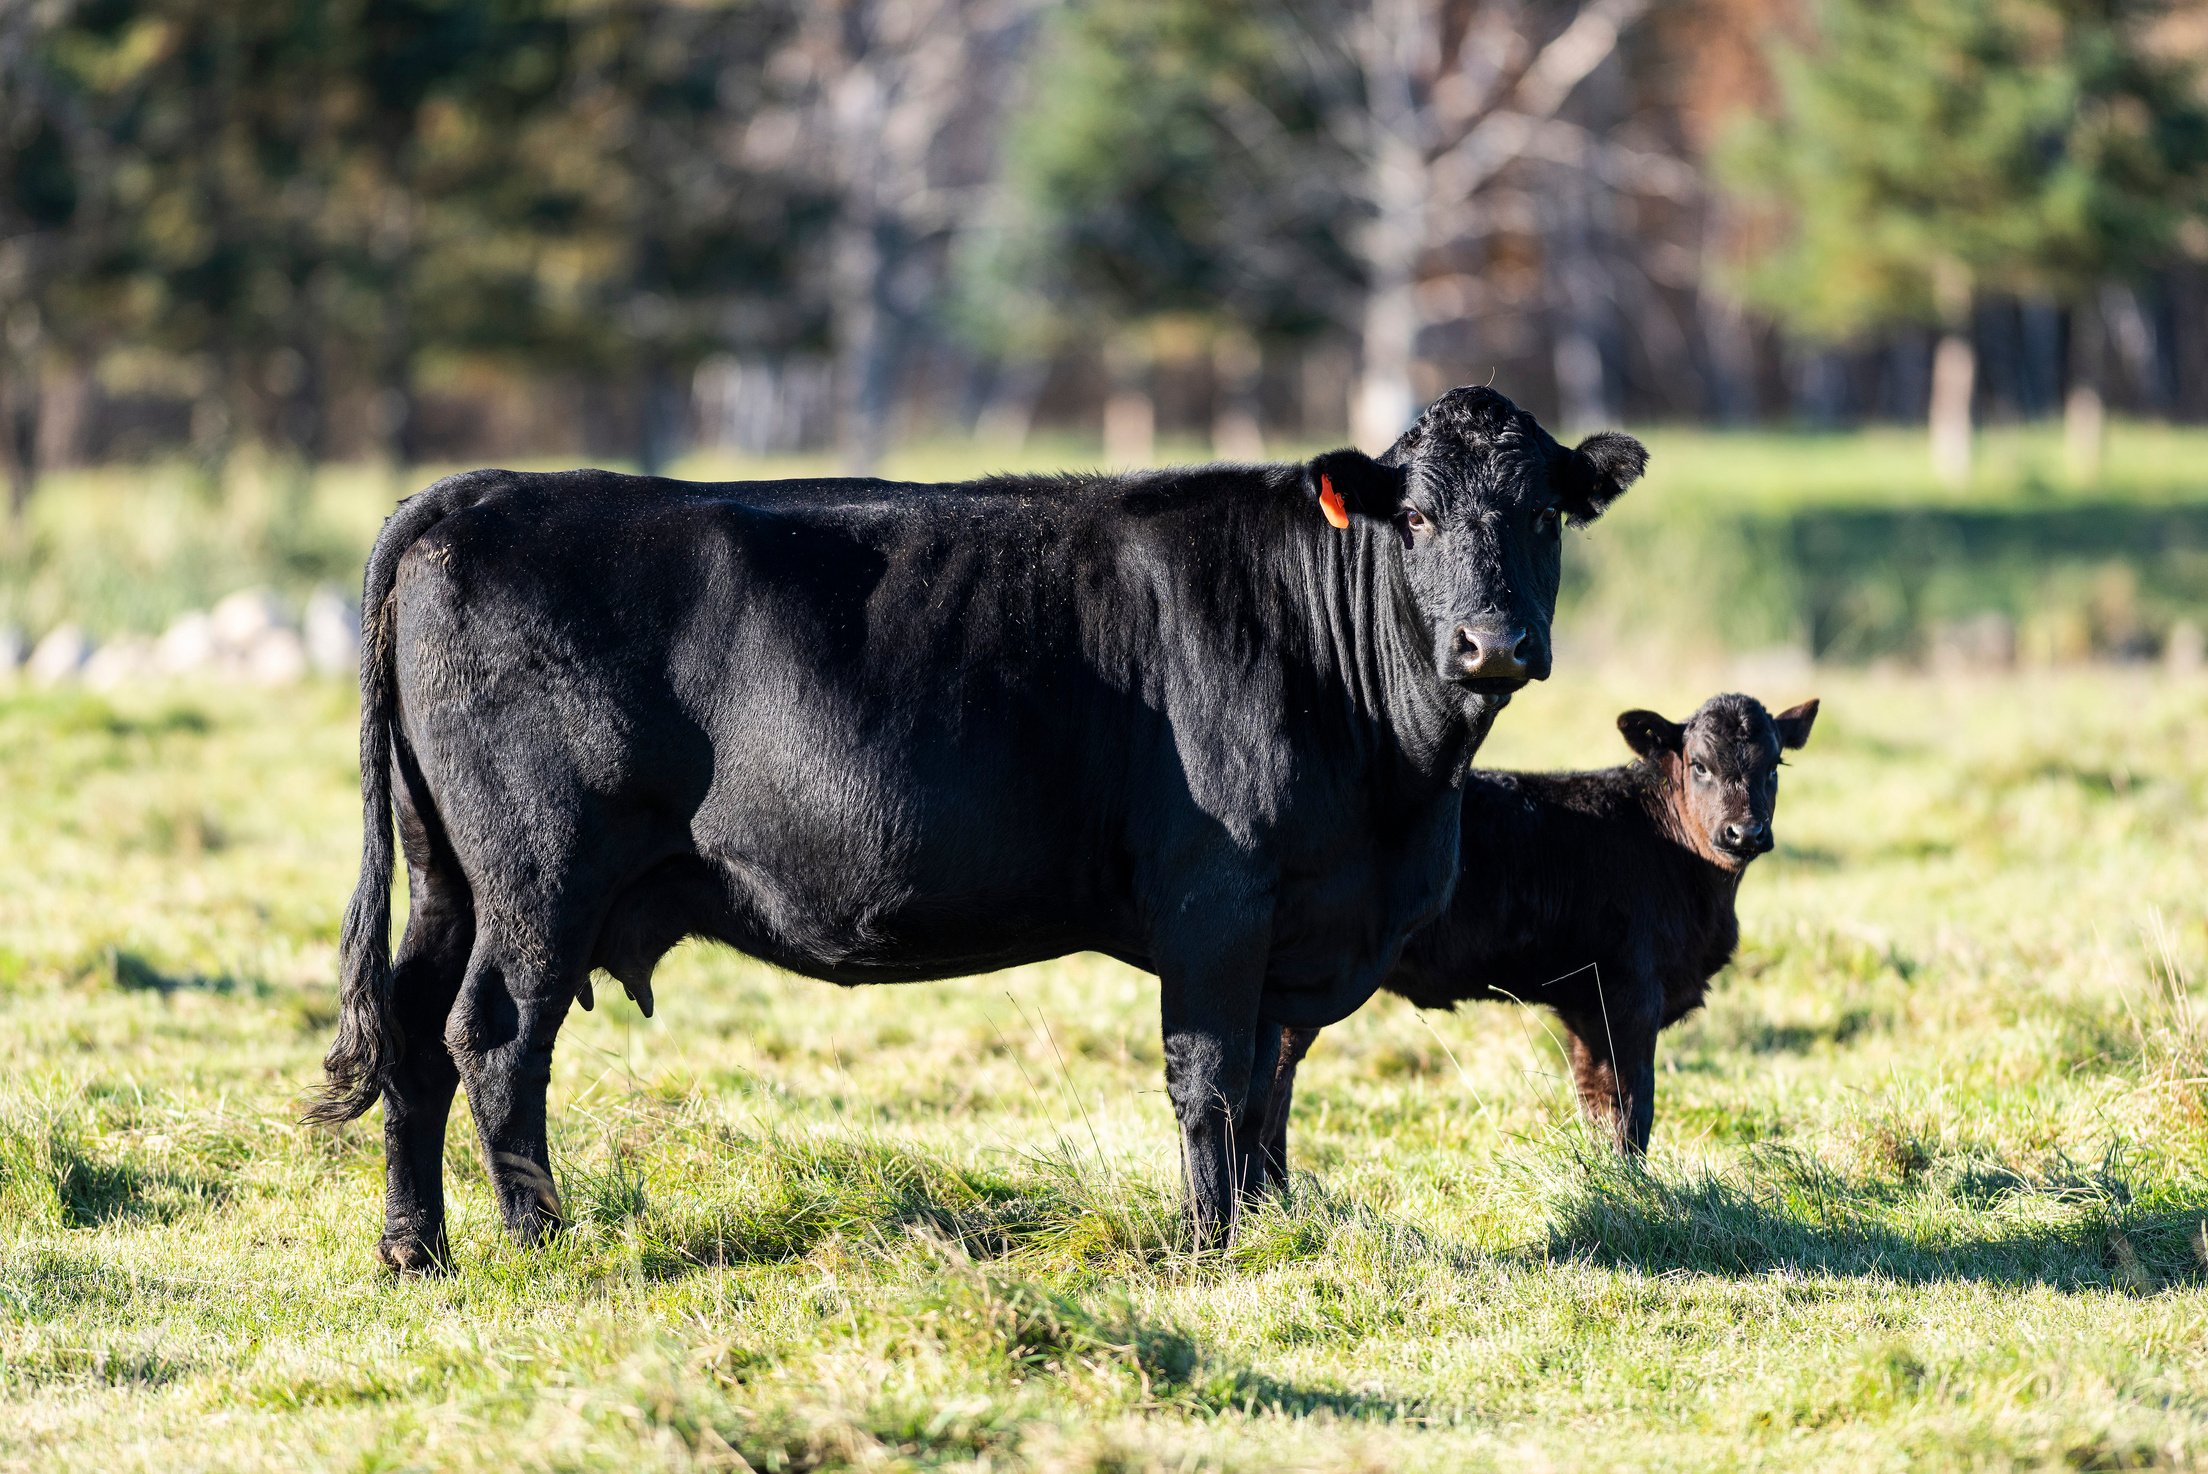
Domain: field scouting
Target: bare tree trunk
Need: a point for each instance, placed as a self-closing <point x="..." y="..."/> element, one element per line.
<point x="20" y="338"/>
<point x="19" y="422"/>
<point x="660" y="418"/>
<point x="1008" y="415"/>
<point x="2084" y="413"/>
<point x="397" y="412"/>
<point x="1582" y="304"/>
<point x="866" y="357"/>
<point x="1954" y="379"/>
<point x="1236" y="431"/>
<point x="1394" y="240"/>
<point x="1448" y="100"/>
<point x="1130" y="412"/>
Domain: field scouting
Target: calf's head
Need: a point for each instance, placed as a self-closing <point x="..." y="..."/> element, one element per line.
<point x="1721" y="770"/>
<point x="1476" y="494"/>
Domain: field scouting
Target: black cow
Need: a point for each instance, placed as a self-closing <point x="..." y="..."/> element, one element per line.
<point x="879" y="733"/>
<point x="1607" y="895"/>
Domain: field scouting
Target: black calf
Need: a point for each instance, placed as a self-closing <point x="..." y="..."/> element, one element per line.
<point x="1607" y="896"/>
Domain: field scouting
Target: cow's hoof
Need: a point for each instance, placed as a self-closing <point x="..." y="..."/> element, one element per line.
<point x="412" y="1254"/>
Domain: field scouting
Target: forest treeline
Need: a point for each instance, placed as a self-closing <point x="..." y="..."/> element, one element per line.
<point x="451" y="229"/>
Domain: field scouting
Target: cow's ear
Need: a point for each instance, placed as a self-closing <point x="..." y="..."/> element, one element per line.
<point x="1597" y="473"/>
<point x="1794" y="724"/>
<point x="1651" y="735"/>
<point x="1348" y="483"/>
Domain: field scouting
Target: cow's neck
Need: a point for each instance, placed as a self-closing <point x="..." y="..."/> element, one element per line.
<point x="1383" y="655"/>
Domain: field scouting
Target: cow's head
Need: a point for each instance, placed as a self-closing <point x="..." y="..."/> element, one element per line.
<point x="1721" y="770"/>
<point x="1477" y="493"/>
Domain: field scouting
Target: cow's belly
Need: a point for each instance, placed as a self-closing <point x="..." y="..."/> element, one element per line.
<point x="876" y="868"/>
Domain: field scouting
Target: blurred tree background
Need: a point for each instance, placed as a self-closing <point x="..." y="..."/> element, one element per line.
<point x="466" y="230"/>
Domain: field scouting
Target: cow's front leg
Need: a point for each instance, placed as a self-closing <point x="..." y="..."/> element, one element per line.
<point x="1613" y="1057"/>
<point x="1212" y="980"/>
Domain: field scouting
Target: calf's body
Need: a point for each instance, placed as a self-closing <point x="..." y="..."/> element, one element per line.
<point x="1607" y="896"/>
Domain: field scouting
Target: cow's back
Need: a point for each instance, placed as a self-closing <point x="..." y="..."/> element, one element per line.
<point x="863" y="709"/>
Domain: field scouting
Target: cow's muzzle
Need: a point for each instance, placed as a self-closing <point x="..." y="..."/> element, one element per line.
<point x="1495" y="657"/>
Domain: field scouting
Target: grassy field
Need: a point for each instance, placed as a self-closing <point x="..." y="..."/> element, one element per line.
<point x="1929" y="1187"/>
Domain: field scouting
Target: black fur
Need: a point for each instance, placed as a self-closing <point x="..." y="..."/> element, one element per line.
<point x="880" y="733"/>
<point x="1609" y="896"/>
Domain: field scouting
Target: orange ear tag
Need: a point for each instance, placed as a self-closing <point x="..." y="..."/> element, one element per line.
<point x="1330" y="502"/>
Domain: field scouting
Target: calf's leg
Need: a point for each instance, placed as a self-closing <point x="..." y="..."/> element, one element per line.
<point x="1613" y="1056"/>
<point x="1272" y="1150"/>
<point x="1251" y="1122"/>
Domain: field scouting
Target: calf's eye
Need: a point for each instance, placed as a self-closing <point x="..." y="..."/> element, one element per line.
<point x="1699" y="771"/>
<point x="1415" y="521"/>
<point x="1548" y="520"/>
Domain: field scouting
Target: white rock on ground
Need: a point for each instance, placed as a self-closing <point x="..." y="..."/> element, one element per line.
<point x="60" y="655"/>
<point x="119" y="662"/>
<point x="277" y="658"/>
<point x="332" y="628"/>
<point x="187" y="645"/>
<point x="242" y="618"/>
<point x="2185" y="652"/>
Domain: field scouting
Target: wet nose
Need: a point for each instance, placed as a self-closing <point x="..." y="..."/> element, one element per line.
<point x="1751" y="837"/>
<point x="1494" y="652"/>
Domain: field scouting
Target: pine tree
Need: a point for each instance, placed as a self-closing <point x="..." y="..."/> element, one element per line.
<point x="1925" y="151"/>
<point x="1168" y="183"/>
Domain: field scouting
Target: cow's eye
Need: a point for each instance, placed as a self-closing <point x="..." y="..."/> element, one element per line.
<point x="1548" y="520"/>
<point x="1699" y="771"/>
<point x="1415" y="521"/>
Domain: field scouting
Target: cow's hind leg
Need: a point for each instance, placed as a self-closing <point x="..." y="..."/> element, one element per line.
<point x="417" y="1096"/>
<point x="519" y="983"/>
<point x="1272" y="1144"/>
<point x="425" y="978"/>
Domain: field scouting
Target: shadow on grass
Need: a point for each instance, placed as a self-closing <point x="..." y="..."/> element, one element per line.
<point x="799" y="1191"/>
<point x="2069" y="1229"/>
<point x="980" y="1311"/>
<point x="48" y="1172"/>
<point x="133" y="972"/>
<point x="1873" y="580"/>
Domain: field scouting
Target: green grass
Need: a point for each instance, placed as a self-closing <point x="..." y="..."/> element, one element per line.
<point x="1928" y="1189"/>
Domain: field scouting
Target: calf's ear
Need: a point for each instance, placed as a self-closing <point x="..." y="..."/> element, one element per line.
<point x="1349" y="483"/>
<point x="1597" y="473"/>
<point x="1794" y="723"/>
<point x="1651" y="735"/>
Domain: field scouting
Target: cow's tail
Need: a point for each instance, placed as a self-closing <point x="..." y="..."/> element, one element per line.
<point x="368" y="1036"/>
